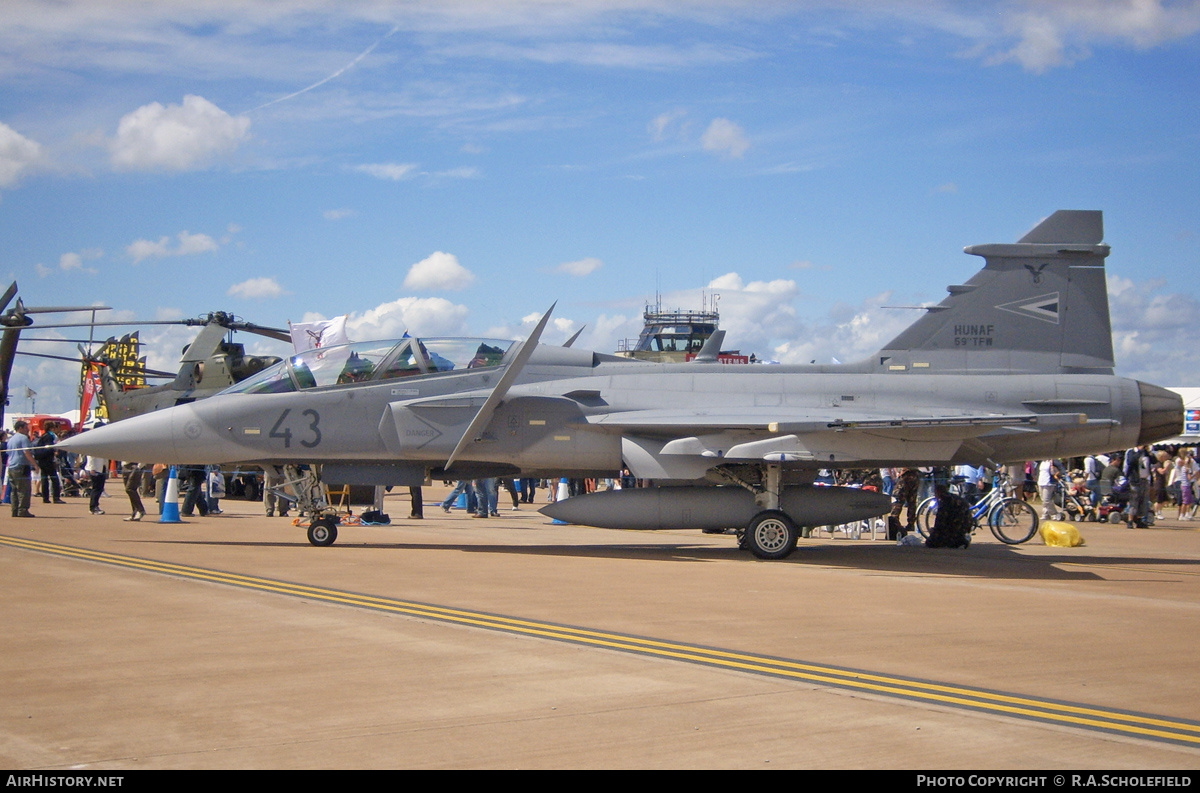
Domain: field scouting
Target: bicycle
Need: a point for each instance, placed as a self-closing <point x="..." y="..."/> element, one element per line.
<point x="1010" y="519"/>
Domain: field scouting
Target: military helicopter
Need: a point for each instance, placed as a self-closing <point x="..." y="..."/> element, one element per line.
<point x="210" y="363"/>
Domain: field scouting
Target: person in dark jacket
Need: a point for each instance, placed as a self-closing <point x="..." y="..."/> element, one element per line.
<point x="952" y="527"/>
<point x="46" y="456"/>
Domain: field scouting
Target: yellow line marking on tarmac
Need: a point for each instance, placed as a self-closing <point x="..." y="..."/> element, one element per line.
<point x="1076" y="714"/>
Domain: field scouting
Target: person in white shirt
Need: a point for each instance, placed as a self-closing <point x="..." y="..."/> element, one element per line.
<point x="1048" y="470"/>
<point x="97" y="468"/>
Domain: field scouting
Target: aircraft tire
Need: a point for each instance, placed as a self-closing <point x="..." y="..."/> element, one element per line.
<point x="322" y="532"/>
<point x="771" y="534"/>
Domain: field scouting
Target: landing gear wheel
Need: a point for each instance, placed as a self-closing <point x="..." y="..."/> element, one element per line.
<point x="771" y="535"/>
<point x="322" y="531"/>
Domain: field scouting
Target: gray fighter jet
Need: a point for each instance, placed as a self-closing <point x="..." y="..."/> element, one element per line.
<point x="1015" y="364"/>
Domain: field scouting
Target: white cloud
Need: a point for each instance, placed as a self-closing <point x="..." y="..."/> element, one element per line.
<point x="145" y="249"/>
<point x="167" y="312"/>
<point x="393" y="171"/>
<point x="71" y="262"/>
<point x="1051" y="34"/>
<point x="805" y="264"/>
<point x="788" y="168"/>
<point x="556" y="331"/>
<point x="403" y="171"/>
<point x="337" y="214"/>
<point x="257" y="289"/>
<point x="664" y="123"/>
<point x="18" y="155"/>
<point x="462" y="172"/>
<point x="1154" y="333"/>
<point x="1041" y="46"/>
<point x="194" y="243"/>
<point x="753" y="314"/>
<point x="605" y="332"/>
<point x="726" y="138"/>
<point x="420" y="316"/>
<point x="580" y="267"/>
<point x="176" y="137"/>
<point x="75" y="261"/>
<point x="188" y="244"/>
<point x="439" y="271"/>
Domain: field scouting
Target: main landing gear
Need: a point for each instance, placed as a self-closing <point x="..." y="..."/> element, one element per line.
<point x="771" y="534"/>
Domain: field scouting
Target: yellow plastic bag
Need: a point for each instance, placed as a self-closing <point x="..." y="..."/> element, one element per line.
<point x="1059" y="534"/>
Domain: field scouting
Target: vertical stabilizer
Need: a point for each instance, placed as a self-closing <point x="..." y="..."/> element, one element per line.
<point x="1038" y="306"/>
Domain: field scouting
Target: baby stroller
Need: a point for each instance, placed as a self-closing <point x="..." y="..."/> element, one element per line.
<point x="71" y="486"/>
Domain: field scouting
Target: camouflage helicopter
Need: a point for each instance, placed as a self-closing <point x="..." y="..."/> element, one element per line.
<point x="209" y="364"/>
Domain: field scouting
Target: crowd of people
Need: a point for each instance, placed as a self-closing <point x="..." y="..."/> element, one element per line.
<point x="1139" y="484"/>
<point x="33" y="465"/>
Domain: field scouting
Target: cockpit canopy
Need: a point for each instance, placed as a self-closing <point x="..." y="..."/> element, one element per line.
<point x="374" y="360"/>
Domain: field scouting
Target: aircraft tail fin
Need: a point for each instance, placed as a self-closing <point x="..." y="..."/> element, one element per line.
<point x="1038" y="306"/>
<point x="711" y="351"/>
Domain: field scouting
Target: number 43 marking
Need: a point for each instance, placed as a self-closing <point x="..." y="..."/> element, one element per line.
<point x="286" y="432"/>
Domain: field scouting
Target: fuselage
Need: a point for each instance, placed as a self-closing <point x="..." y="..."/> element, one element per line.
<point x="567" y="412"/>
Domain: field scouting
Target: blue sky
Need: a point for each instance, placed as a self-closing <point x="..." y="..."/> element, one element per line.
<point x="456" y="167"/>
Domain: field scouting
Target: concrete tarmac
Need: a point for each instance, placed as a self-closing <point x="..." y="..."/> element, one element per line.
<point x="119" y="663"/>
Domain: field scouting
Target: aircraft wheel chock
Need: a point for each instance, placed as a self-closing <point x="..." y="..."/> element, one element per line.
<point x="322" y="531"/>
<point x="771" y="535"/>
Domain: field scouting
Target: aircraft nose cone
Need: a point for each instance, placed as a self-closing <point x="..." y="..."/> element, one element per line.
<point x="142" y="439"/>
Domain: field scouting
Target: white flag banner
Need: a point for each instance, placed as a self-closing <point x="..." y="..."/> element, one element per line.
<point x="326" y="333"/>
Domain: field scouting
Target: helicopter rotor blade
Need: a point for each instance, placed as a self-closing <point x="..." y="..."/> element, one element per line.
<point x="262" y="330"/>
<point x="47" y="355"/>
<point x="63" y="309"/>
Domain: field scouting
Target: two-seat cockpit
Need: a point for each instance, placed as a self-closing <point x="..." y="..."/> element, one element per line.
<point x="373" y="361"/>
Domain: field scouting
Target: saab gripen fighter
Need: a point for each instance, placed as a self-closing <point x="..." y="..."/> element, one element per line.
<point x="1014" y="364"/>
